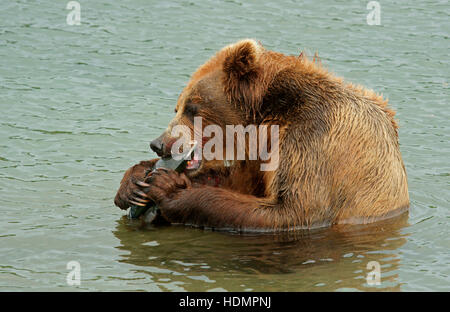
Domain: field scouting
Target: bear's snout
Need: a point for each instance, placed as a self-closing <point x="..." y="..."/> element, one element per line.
<point x="157" y="146"/>
<point x="162" y="146"/>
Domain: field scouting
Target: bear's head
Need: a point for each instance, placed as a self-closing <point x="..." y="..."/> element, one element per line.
<point x="232" y="88"/>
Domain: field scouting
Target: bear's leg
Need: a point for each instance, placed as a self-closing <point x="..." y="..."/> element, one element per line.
<point x="181" y="201"/>
<point x="221" y="208"/>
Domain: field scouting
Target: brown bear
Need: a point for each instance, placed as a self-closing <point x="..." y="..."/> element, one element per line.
<point x="339" y="158"/>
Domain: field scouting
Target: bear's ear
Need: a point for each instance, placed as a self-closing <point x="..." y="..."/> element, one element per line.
<point x="243" y="74"/>
<point x="241" y="60"/>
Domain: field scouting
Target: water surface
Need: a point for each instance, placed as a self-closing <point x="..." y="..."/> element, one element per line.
<point x="80" y="103"/>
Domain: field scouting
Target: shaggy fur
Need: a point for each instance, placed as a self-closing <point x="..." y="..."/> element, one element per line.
<point x="339" y="154"/>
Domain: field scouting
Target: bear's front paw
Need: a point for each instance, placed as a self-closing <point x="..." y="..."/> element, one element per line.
<point x="129" y="193"/>
<point x="162" y="184"/>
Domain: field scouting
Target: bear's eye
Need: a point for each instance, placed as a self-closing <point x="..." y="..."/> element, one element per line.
<point x="191" y="110"/>
<point x="175" y="110"/>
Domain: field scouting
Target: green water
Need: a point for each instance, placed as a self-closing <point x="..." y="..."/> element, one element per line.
<point x="79" y="105"/>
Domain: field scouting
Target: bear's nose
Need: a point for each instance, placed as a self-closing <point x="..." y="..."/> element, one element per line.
<point x="157" y="146"/>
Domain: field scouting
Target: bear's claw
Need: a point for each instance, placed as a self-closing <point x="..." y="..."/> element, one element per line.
<point x="140" y="183"/>
<point x="137" y="204"/>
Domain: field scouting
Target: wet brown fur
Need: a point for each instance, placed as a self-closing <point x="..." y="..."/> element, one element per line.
<point x="339" y="154"/>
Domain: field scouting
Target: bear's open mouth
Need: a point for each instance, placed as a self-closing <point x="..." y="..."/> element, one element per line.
<point x="193" y="164"/>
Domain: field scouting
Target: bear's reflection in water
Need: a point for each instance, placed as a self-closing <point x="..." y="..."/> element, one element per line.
<point x="184" y="258"/>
